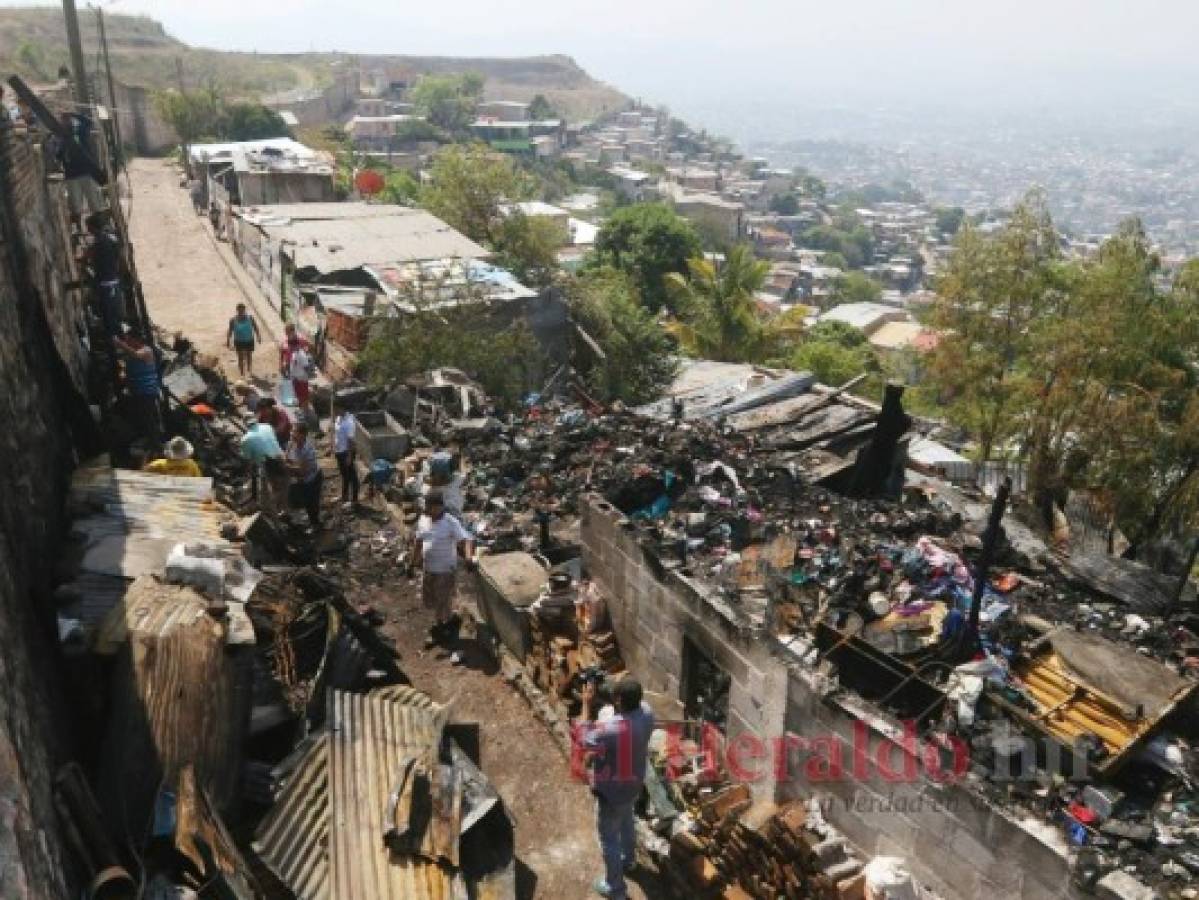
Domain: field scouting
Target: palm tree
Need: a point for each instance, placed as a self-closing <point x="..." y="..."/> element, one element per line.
<point x="718" y="318"/>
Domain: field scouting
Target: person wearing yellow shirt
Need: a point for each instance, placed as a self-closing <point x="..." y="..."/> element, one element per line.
<point x="178" y="461"/>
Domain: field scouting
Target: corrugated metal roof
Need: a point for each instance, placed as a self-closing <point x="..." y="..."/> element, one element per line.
<point x="293" y="840"/>
<point x="371" y="735"/>
<point x="180" y="696"/>
<point x="131" y="520"/>
<point x="324" y="836"/>
<point x="337" y="237"/>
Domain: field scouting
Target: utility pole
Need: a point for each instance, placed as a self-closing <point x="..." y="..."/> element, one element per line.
<point x="112" y="94"/>
<point x="72" y="20"/>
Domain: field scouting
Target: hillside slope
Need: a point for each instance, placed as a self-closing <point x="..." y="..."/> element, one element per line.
<point x="33" y="44"/>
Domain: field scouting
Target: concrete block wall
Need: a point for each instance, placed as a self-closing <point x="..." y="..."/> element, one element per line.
<point x="954" y="841"/>
<point x="653" y="612"/>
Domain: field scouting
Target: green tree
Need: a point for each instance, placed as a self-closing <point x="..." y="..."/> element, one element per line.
<point x="1114" y="408"/>
<point x="718" y="315"/>
<point x="853" y="242"/>
<point x="400" y="187"/>
<point x="540" y="109"/>
<point x="527" y="246"/>
<point x="995" y="293"/>
<point x="647" y="241"/>
<point x="503" y="356"/>
<point x="831" y="362"/>
<point x="811" y="186"/>
<point x="251" y="122"/>
<point x="949" y="219"/>
<point x="449" y="101"/>
<point x="784" y="204"/>
<point x="855" y="287"/>
<point x="467" y="186"/>
<point x="638" y="360"/>
<point x="839" y="333"/>
<point x="192" y="116"/>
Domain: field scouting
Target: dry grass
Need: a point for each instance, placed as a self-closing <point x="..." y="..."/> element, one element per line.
<point x="33" y="44"/>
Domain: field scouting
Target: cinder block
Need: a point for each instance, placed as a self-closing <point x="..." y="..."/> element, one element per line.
<point x="1119" y="885"/>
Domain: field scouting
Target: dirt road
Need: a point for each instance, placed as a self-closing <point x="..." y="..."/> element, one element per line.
<point x="191" y="281"/>
<point x="558" y="856"/>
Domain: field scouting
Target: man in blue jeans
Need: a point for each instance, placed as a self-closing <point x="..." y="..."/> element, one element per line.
<point x="617" y="746"/>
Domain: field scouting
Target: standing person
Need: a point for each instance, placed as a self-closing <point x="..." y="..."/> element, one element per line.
<point x="83" y="194"/>
<point x="300" y="371"/>
<point x="303" y="467"/>
<point x="269" y="412"/>
<point x="345" y="452"/>
<point x="292" y="341"/>
<point x="440" y="538"/>
<point x="617" y="747"/>
<point x="177" y="462"/>
<point x="260" y="446"/>
<point x="104" y="259"/>
<point x="195" y="190"/>
<point x="144" y="384"/>
<point x="241" y="336"/>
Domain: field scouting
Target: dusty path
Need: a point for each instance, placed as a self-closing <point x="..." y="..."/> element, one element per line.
<point x="191" y="281"/>
<point x="555" y="832"/>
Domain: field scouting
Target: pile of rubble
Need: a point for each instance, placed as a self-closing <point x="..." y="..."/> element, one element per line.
<point x="243" y="711"/>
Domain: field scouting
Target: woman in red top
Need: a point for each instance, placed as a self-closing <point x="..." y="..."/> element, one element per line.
<point x="292" y="341"/>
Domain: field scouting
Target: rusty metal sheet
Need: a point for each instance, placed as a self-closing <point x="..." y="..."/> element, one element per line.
<point x="180" y="696"/>
<point x="293" y="839"/>
<point x="371" y="735"/>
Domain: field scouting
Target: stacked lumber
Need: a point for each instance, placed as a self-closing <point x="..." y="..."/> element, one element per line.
<point x="563" y="644"/>
<point x="741" y="851"/>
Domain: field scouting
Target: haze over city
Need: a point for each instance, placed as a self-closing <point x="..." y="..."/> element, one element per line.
<point x="754" y="70"/>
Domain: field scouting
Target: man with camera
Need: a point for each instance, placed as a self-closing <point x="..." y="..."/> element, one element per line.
<point x="617" y="747"/>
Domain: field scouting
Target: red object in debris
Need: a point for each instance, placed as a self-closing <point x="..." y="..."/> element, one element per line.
<point x="368" y="182"/>
<point x="1006" y="582"/>
<point x="203" y="409"/>
<point x="1084" y="815"/>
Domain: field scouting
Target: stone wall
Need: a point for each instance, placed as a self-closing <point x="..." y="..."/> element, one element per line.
<point x="43" y="370"/>
<point x="953" y="840"/>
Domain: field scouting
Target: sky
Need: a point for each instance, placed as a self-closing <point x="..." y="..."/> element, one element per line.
<point x="720" y="59"/>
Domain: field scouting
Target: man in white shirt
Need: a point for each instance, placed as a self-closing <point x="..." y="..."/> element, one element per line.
<point x="344" y="451"/>
<point x="440" y="538"/>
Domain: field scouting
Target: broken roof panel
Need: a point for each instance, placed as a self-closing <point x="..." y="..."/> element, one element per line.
<point x="371" y="735"/>
<point x="711" y="389"/>
<point x="293" y="839"/>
